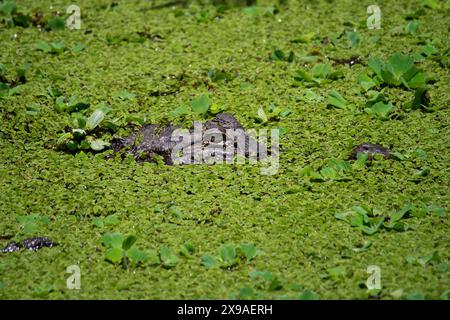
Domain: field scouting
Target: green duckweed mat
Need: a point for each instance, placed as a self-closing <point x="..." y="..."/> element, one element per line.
<point x="226" y="231"/>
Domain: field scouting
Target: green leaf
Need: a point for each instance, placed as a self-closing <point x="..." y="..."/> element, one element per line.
<point x="320" y="71"/>
<point x="399" y="70"/>
<point x="262" y="117"/>
<point x="168" y="257"/>
<point x="30" y="228"/>
<point x="359" y="217"/>
<point x="361" y="159"/>
<point x="56" y="23"/>
<point x="374" y="97"/>
<point x="114" y="254"/>
<point x="79" y="121"/>
<point x="373" y="228"/>
<point x="136" y="255"/>
<point x="128" y="242"/>
<point x="417" y="81"/>
<point x="98" y="144"/>
<point x="366" y="82"/>
<point x="412" y="27"/>
<point x="389" y="78"/>
<point x="201" y="104"/>
<point x="335" y="99"/>
<point x="440" y="212"/>
<point x="8" y="7"/>
<point x="344" y="216"/>
<point x="96" y="118"/>
<point x="57" y="47"/>
<point x="353" y="38"/>
<point x="44" y="46"/>
<point x="11" y="91"/>
<point x="75" y="105"/>
<point x="248" y="250"/>
<point x="186" y="249"/>
<point x="228" y="254"/>
<point x="60" y="105"/>
<point x="32" y="222"/>
<point x="399" y="64"/>
<point x="111" y="220"/>
<point x="357" y="220"/>
<point x="381" y="110"/>
<point x="398" y="215"/>
<point x="278" y="55"/>
<point x="429" y="50"/>
<point x="431" y="4"/>
<point x="209" y="261"/>
<point x="376" y="65"/>
<point x="113" y="240"/>
<point x="98" y="222"/>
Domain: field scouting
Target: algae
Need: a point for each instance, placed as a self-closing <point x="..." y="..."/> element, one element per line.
<point x="162" y="55"/>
